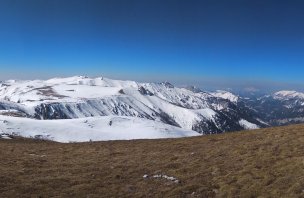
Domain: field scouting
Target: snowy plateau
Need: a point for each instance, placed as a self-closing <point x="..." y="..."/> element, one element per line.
<point x="80" y="108"/>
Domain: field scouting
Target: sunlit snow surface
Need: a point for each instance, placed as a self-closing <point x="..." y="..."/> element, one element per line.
<point x="91" y="129"/>
<point x="288" y="95"/>
<point x="225" y="95"/>
<point x="101" y="96"/>
<point x="248" y="125"/>
<point x="105" y="109"/>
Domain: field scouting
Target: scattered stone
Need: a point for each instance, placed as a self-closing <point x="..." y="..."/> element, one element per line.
<point x="173" y="179"/>
<point x="35" y="155"/>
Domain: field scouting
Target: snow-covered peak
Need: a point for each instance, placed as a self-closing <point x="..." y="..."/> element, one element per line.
<point x="225" y="95"/>
<point x="82" y="96"/>
<point x="288" y="95"/>
<point x="98" y="81"/>
<point x="62" y="89"/>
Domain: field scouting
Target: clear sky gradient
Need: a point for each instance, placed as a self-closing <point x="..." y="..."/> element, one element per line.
<point x="185" y="41"/>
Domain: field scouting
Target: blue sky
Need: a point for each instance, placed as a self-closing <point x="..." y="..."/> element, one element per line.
<point x="250" y="42"/>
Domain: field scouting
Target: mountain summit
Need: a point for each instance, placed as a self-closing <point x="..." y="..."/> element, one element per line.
<point x="83" y="97"/>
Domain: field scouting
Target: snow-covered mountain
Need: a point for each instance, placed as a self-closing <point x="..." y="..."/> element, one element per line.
<point x="279" y="108"/>
<point x="91" y="129"/>
<point x="287" y="95"/>
<point x="82" y="97"/>
<point x="226" y="95"/>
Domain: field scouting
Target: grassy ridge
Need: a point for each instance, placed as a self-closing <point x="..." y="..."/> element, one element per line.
<point x="266" y="163"/>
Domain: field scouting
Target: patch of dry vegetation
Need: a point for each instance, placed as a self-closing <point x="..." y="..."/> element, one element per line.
<point x="261" y="163"/>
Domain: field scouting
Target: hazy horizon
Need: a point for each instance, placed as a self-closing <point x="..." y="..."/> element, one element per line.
<point x="233" y="44"/>
<point x="206" y="84"/>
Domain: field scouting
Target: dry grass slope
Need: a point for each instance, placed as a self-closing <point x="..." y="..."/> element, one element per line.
<point x="261" y="163"/>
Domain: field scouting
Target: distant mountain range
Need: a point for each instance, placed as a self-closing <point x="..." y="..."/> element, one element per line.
<point x="161" y="107"/>
<point x="280" y="108"/>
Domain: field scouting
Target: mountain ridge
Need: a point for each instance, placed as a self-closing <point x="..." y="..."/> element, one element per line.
<point x="188" y="108"/>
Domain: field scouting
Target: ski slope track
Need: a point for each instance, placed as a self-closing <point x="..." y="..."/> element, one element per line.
<point x="168" y="110"/>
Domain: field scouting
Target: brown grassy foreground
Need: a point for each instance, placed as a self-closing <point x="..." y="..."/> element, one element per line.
<point x="260" y="163"/>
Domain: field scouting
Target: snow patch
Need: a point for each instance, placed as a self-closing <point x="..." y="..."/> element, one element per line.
<point x="226" y="95"/>
<point x="4" y="136"/>
<point x="248" y="125"/>
<point x="163" y="176"/>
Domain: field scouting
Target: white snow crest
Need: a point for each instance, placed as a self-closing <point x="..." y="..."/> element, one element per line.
<point x="226" y="95"/>
<point x="288" y="95"/>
